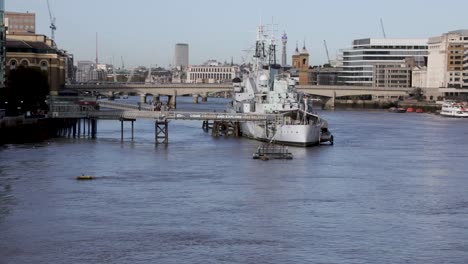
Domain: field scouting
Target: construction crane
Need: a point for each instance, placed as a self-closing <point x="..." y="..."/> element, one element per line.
<point x="326" y="49"/>
<point x="52" y="22"/>
<point x="383" y="29"/>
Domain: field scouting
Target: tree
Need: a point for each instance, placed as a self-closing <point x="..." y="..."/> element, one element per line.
<point x="28" y="87"/>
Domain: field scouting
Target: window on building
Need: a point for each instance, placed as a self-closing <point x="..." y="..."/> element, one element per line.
<point x="44" y="65"/>
<point x="13" y="64"/>
<point x="24" y="63"/>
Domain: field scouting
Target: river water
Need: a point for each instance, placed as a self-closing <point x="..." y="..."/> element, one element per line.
<point x="393" y="189"/>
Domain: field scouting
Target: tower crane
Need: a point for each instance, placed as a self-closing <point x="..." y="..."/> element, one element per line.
<point x="326" y="49"/>
<point x="383" y="29"/>
<point x="52" y="22"/>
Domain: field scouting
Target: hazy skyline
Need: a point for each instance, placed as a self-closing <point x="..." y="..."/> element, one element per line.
<point x="145" y="32"/>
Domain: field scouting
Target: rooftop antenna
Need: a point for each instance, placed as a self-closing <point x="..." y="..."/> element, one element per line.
<point x="383" y="29"/>
<point x="52" y="22"/>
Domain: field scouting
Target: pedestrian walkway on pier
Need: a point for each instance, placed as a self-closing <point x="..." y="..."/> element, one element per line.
<point x="122" y="112"/>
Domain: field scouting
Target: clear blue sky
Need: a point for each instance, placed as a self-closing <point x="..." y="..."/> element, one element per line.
<point x="144" y="32"/>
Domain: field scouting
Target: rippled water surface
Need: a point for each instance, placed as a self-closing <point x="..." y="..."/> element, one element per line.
<point x="393" y="189"/>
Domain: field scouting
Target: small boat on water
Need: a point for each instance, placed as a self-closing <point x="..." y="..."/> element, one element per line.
<point x="397" y="110"/>
<point x="85" y="177"/>
<point x="454" y="109"/>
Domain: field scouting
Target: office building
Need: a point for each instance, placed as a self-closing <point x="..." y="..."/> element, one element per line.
<point x="447" y="69"/>
<point x="393" y="75"/>
<point x="89" y="71"/>
<point x="325" y="75"/>
<point x="181" y="55"/>
<point x="448" y="60"/>
<point x="360" y="60"/>
<point x="21" y="22"/>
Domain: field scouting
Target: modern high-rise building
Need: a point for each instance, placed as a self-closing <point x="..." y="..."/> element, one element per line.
<point x="360" y="61"/>
<point x="21" y="22"/>
<point x="181" y="56"/>
<point x="2" y="43"/>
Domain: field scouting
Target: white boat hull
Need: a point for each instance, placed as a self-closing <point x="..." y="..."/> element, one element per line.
<point x="293" y="135"/>
<point x="452" y="114"/>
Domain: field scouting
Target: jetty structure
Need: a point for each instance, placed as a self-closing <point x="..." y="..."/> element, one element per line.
<point x="78" y="116"/>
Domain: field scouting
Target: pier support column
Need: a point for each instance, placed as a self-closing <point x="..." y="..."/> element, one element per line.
<point x="162" y="132"/>
<point x="143" y="99"/>
<point x="330" y="103"/>
<point x="93" y="127"/>
<point x="132" y="128"/>
<point x="156" y="98"/>
<point x="121" y="129"/>
<point x="204" y="97"/>
<point x="79" y="127"/>
<point x="173" y="100"/>
<point x="195" y="98"/>
<point x="89" y="127"/>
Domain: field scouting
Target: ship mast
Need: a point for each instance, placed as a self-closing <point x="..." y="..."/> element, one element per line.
<point x="260" y="53"/>
<point x="265" y="54"/>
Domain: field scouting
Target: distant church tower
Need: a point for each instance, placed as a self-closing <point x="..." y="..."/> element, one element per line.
<point x="301" y="63"/>
<point x="284" y="39"/>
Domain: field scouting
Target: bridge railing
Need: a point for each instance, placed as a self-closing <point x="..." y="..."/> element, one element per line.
<point x="349" y="87"/>
<point x="124" y="106"/>
<point x="110" y="86"/>
<point x="62" y="109"/>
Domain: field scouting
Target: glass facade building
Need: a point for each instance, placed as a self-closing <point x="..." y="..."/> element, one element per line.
<point x="359" y="61"/>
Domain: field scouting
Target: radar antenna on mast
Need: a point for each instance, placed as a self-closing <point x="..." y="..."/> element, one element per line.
<point x="52" y="22"/>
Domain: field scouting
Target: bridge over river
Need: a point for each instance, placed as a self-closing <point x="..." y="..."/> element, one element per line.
<point x="328" y="93"/>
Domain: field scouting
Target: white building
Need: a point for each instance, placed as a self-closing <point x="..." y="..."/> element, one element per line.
<point x="88" y="71"/>
<point x="419" y="77"/>
<point x="211" y="74"/>
<point x="359" y="61"/>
